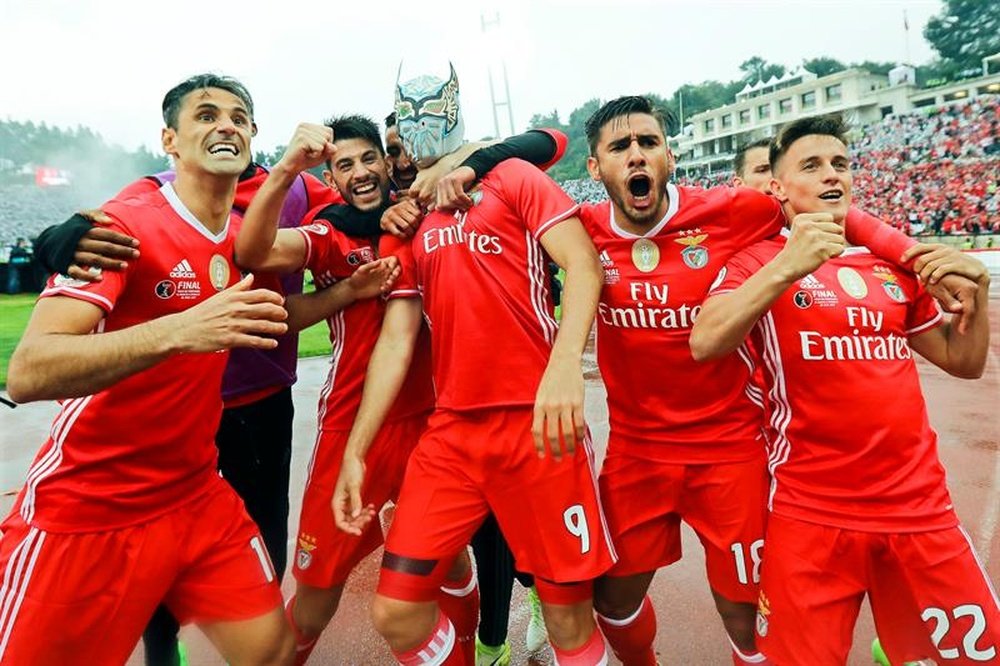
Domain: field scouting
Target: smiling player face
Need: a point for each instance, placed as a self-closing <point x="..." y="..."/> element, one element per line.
<point x="213" y="133"/>
<point x="814" y="176"/>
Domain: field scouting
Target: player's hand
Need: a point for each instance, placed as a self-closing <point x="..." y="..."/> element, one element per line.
<point x="451" y="188"/>
<point x="957" y="295"/>
<point x="558" y="416"/>
<point x="236" y="317"/>
<point x="403" y="218"/>
<point x="102" y="249"/>
<point x="349" y="513"/>
<point x="310" y="146"/>
<point x="374" y="278"/>
<point x="814" y="238"/>
<point x="933" y="261"/>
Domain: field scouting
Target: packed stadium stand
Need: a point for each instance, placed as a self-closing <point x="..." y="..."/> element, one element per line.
<point x="931" y="172"/>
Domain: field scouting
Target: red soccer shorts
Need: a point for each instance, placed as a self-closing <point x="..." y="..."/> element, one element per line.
<point x="85" y="598"/>
<point x="930" y="597"/>
<point x="725" y="504"/>
<point x="469" y="463"/>
<point x="325" y="555"/>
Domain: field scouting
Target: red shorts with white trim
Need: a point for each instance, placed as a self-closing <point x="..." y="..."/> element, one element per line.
<point x="85" y="598"/>
<point x="324" y="554"/>
<point x="470" y="463"/>
<point x="725" y="504"/>
<point x="929" y="595"/>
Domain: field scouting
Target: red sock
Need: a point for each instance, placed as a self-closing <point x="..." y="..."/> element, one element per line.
<point x="741" y="658"/>
<point x="303" y="646"/>
<point x="438" y="648"/>
<point x="631" y="639"/>
<point x="459" y="600"/>
<point x="591" y="653"/>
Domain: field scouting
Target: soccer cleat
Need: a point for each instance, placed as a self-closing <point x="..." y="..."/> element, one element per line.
<point x="492" y="656"/>
<point x="878" y="656"/>
<point x="537" y="635"/>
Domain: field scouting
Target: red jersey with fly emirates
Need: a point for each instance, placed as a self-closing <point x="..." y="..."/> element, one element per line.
<point x="332" y="256"/>
<point x="146" y="445"/>
<point x="485" y="284"/>
<point x="852" y="446"/>
<point x="662" y="404"/>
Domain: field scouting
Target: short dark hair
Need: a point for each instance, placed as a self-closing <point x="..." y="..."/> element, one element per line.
<point x="622" y="106"/>
<point x="830" y="124"/>
<point x="390" y="120"/>
<point x="175" y="96"/>
<point x="740" y="160"/>
<point x="355" y="127"/>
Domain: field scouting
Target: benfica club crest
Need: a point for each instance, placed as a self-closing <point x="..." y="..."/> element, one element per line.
<point x="763" y="613"/>
<point x="694" y="255"/>
<point x="890" y="283"/>
<point x="303" y="556"/>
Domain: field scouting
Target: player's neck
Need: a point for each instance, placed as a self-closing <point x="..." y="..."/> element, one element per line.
<point x="208" y="197"/>
<point x="638" y="228"/>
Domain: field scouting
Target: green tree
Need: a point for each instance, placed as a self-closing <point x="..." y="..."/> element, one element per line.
<point x="823" y="65"/>
<point x="757" y="69"/>
<point x="965" y="32"/>
<point x="550" y="120"/>
<point x="875" y="67"/>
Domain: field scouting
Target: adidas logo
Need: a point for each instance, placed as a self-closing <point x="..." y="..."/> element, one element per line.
<point x="810" y="282"/>
<point x="183" y="270"/>
<point x="606" y="260"/>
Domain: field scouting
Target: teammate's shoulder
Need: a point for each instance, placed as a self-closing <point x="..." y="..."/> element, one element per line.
<point x="596" y="215"/>
<point x="514" y="167"/>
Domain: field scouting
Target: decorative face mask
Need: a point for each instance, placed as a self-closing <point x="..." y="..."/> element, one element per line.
<point x="429" y="116"/>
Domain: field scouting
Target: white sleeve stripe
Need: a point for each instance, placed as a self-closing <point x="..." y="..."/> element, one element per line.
<point x="545" y="226"/>
<point x="923" y="327"/>
<point x="97" y="299"/>
<point x="309" y="245"/>
<point x="404" y="293"/>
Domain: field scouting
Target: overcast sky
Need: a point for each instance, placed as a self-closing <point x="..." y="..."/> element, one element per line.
<point x="106" y="64"/>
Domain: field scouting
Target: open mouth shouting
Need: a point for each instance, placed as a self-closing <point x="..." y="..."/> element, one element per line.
<point x="640" y="187"/>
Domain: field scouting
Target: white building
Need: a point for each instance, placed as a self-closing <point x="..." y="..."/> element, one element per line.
<point x="712" y="137"/>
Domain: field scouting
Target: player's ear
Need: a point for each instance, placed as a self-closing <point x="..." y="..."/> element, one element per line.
<point x="778" y="190"/>
<point x="168" y="137"/>
<point x="594" y="169"/>
<point x="328" y="178"/>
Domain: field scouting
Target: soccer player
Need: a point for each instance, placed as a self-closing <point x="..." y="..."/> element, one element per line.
<point x="751" y="167"/>
<point x="123" y="507"/>
<point x="505" y="377"/>
<point x="858" y="500"/>
<point x="333" y="240"/>
<point x="255" y="433"/>
<point x="699" y="451"/>
<point x="402" y="170"/>
<point x="358" y="169"/>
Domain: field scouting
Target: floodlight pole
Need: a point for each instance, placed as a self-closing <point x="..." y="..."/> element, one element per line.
<point x="486" y="24"/>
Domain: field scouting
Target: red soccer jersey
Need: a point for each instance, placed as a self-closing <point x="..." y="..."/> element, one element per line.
<point x="660" y="401"/>
<point x="333" y="256"/>
<point x="145" y="445"/>
<point x="852" y="444"/>
<point x="485" y="284"/>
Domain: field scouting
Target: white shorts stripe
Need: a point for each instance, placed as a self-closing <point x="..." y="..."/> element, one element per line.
<point x="592" y="464"/>
<point x="22" y="564"/>
<point x="982" y="569"/>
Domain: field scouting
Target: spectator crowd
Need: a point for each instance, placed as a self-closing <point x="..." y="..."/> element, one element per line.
<point x="924" y="173"/>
